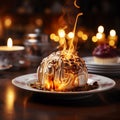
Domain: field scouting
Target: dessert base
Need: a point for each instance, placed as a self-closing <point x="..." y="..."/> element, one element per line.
<point x="105" y="60"/>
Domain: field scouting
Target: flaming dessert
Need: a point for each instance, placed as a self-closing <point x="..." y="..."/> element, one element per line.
<point x="63" y="70"/>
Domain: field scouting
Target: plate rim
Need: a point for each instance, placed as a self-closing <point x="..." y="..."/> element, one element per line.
<point x="6" y="67"/>
<point x="65" y="93"/>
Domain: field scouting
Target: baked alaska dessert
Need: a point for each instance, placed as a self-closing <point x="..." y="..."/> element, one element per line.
<point x="60" y="72"/>
<point x="105" y="54"/>
<point x="63" y="73"/>
<point x="63" y="70"/>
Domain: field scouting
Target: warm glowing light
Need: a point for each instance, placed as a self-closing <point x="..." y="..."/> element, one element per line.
<point x="112" y="33"/>
<point x="112" y="38"/>
<point x="32" y="35"/>
<point x="39" y="21"/>
<point x="9" y="42"/>
<point x="61" y="33"/>
<point x="80" y="33"/>
<point x="84" y="37"/>
<point x="75" y="4"/>
<point x="70" y="35"/>
<point x="32" y="38"/>
<point x="94" y="39"/>
<point x="64" y="69"/>
<point x="99" y="35"/>
<point x="10" y="98"/>
<point x="54" y="37"/>
<point x="112" y="43"/>
<point x="8" y="22"/>
<point x="100" y="29"/>
<point x="67" y="42"/>
<point x="47" y="84"/>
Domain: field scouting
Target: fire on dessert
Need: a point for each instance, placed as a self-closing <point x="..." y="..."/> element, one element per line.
<point x="64" y="70"/>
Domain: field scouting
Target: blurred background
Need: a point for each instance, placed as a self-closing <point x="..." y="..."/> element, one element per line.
<point x="19" y="18"/>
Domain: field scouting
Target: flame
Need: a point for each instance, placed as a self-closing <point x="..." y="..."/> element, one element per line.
<point x="61" y="33"/>
<point x="63" y="69"/>
<point x="75" y="4"/>
<point x="99" y="35"/>
<point x="100" y="29"/>
<point x="9" y="42"/>
<point x="71" y="35"/>
<point x="66" y="41"/>
<point x="112" y="33"/>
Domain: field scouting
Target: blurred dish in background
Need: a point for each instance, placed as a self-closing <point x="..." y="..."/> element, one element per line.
<point x="4" y="64"/>
<point x="37" y="46"/>
<point x="103" y="69"/>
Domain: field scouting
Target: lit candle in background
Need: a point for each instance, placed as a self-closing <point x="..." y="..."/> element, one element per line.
<point x="11" y="55"/>
<point x="101" y="35"/>
<point x="32" y="38"/>
<point x="71" y="35"/>
<point x="94" y="39"/>
<point x="61" y="33"/>
<point x="10" y="46"/>
<point x="54" y="37"/>
<point x="83" y="36"/>
<point x="9" y="42"/>
<point x="112" y="38"/>
<point x="100" y="29"/>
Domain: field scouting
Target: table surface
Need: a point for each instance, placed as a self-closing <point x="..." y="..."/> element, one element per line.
<point x="20" y="104"/>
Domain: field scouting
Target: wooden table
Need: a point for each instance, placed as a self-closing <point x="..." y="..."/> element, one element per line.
<point x="19" y="104"/>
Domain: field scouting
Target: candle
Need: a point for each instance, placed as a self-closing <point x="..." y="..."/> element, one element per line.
<point x="112" y="38"/>
<point x="101" y="35"/>
<point x="10" y="46"/>
<point x="100" y="29"/>
<point x="11" y="55"/>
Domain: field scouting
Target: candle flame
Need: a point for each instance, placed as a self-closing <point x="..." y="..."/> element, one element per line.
<point x="99" y="35"/>
<point x="70" y="35"/>
<point x="112" y="32"/>
<point x="61" y="33"/>
<point x="9" y="42"/>
<point x="100" y="29"/>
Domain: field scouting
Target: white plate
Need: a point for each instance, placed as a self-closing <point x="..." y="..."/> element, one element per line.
<point x="105" y="83"/>
<point x="5" y="67"/>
